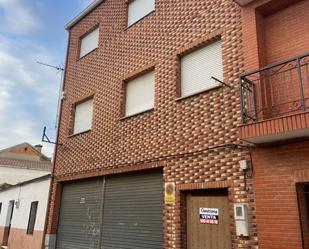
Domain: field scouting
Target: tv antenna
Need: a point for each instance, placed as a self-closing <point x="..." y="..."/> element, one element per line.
<point x="60" y="69"/>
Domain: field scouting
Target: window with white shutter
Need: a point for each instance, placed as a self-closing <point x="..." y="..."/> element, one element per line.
<point x="83" y="116"/>
<point x="140" y="94"/>
<point x="89" y="43"/>
<point x="138" y="9"/>
<point x="198" y="67"/>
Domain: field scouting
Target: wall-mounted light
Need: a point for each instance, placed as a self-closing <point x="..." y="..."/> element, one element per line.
<point x="243" y="164"/>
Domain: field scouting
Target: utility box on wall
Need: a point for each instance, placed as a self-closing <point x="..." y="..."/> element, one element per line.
<point x="241" y="219"/>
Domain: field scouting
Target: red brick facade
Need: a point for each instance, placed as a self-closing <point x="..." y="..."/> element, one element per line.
<point x="180" y="136"/>
<point x="189" y="139"/>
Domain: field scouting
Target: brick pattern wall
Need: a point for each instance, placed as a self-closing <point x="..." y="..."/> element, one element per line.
<point x="276" y="172"/>
<point x="116" y="145"/>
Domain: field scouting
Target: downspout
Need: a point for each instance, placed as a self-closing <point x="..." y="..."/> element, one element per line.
<point x="62" y="87"/>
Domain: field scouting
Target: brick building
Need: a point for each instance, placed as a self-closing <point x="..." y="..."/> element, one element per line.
<point x="152" y="98"/>
<point x="276" y="119"/>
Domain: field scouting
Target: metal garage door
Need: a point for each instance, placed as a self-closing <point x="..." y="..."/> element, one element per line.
<point x="132" y="213"/>
<point x="80" y="215"/>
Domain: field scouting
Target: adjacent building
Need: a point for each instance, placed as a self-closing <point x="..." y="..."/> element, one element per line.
<point x="23" y="213"/>
<point x="275" y="102"/>
<point x="183" y="126"/>
<point x="25" y="175"/>
<point x="23" y="162"/>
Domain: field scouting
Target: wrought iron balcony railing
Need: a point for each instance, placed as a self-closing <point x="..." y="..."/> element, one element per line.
<point x="276" y="90"/>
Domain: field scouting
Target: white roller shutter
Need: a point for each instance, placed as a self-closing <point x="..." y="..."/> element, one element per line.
<point x="140" y="94"/>
<point x="198" y="67"/>
<point x="138" y="9"/>
<point x="89" y="42"/>
<point x="83" y="116"/>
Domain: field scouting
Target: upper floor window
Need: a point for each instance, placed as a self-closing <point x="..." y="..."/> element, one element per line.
<point x="140" y="94"/>
<point x="138" y="9"/>
<point x="83" y="116"/>
<point x="198" y="68"/>
<point x="89" y="42"/>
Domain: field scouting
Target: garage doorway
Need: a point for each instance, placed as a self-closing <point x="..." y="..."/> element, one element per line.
<point x="112" y="212"/>
<point x="208" y="222"/>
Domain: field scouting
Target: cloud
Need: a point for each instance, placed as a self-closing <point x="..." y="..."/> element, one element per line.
<point x="28" y="93"/>
<point x="16" y="17"/>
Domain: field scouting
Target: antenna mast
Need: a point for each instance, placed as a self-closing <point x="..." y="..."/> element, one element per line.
<point x="61" y="93"/>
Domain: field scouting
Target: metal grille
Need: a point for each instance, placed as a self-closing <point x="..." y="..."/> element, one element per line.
<point x="276" y="90"/>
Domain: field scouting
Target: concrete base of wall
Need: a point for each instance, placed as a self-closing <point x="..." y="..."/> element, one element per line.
<point x="50" y="241"/>
<point x="19" y="238"/>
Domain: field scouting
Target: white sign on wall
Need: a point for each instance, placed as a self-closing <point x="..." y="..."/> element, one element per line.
<point x="209" y="216"/>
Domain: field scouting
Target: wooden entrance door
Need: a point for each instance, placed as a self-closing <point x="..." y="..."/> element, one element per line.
<point x="205" y="233"/>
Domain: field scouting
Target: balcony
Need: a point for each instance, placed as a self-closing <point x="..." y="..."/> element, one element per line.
<point x="275" y="102"/>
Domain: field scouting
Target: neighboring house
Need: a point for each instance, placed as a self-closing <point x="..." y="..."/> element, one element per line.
<point x="23" y="212"/>
<point x="152" y="109"/>
<point x="24" y="183"/>
<point x="22" y="162"/>
<point x="275" y="117"/>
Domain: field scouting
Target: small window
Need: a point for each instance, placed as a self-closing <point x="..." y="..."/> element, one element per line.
<point x="198" y="67"/>
<point x="140" y="94"/>
<point x="89" y="42"/>
<point x="138" y="9"/>
<point x="32" y="217"/>
<point x="83" y="116"/>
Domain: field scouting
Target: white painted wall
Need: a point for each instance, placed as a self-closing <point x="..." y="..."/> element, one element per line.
<point x="14" y="175"/>
<point x="36" y="191"/>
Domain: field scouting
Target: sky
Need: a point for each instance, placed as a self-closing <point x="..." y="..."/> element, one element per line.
<point x="31" y="31"/>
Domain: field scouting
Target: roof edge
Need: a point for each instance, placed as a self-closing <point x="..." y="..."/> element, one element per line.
<point x="82" y="14"/>
<point x="38" y="179"/>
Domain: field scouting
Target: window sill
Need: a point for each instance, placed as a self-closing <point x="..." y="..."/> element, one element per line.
<point x="136" y="114"/>
<point x="198" y="93"/>
<point x="79" y="133"/>
<point x="139" y="20"/>
<point x="80" y="58"/>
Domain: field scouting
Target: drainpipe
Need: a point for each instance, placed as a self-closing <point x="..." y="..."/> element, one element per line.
<point x="62" y="87"/>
